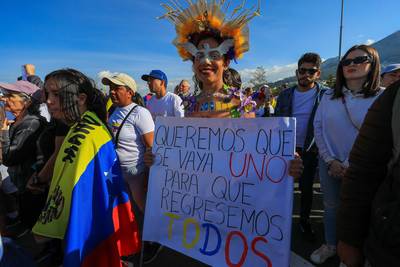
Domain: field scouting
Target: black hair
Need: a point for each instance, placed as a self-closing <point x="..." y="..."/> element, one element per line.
<point x="71" y="83"/>
<point x="310" y="57"/>
<point x="232" y="78"/>
<point x="138" y="99"/>
<point x="196" y="38"/>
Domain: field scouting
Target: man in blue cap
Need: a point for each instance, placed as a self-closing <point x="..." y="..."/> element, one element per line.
<point x="162" y="103"/>
<point x="390" y="74"/>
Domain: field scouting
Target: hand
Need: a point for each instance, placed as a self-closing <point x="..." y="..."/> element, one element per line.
<point x="34" y="187"/>
<point x="29" y="69"/>
<point x="148" y="157"/>
<point x="6" y="124"/>
<point x="336" y="169"/>
<point x="296" y="167"/>
<point x="349" y="255"/>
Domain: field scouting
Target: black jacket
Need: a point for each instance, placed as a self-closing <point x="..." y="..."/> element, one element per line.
<point x="19" y="148"/>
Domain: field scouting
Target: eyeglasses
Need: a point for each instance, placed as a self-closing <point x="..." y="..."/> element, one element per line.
<point x="356" y="60"/>
<point x="212" y="55"/>
<point x="312" y="71"/>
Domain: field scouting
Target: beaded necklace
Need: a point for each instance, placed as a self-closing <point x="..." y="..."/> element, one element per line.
<point x="228" y="99"/>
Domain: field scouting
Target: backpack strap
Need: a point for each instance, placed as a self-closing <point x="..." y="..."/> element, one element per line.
<point x="395" y="130"/>
<point x="122" y="124"/>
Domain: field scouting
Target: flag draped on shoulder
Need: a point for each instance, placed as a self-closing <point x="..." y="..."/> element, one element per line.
<point x="88" y="205"/>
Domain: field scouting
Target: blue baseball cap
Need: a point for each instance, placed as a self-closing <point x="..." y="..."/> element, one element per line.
<point x="156" y="74"/>
<point x="390" y="68"/>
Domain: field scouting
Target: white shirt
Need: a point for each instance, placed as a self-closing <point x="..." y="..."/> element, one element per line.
<point x="169" y="105"/>
<point x="130" y="149"/>
<point x="261" y="110"/>
<point x="303" y="103"/>
<point x="44" y="112"/>
<point x="333" y="128"/>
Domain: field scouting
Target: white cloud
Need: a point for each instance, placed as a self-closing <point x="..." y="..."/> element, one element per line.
<point x="100" y="76"/>
<point x="274" y="73"/>
<point x="369" y="41"/>
<point x="104" y="73"/>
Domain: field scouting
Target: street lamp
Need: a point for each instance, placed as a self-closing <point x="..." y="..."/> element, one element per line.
<point x="341" y="30"/>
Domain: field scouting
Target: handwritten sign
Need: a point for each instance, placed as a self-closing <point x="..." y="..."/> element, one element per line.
<point x="219" y="190"/>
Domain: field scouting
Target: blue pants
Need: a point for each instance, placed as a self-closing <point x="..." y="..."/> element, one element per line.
<point x="331" y="193"/>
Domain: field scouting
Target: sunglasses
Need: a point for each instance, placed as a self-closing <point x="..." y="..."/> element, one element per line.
<point x="356" y="60"/>
<point x="303" y="71"/>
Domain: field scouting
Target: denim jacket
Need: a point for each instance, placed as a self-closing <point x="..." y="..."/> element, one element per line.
<point x="284" y="109"/>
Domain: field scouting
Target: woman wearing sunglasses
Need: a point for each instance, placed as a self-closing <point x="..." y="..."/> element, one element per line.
<point x="336" y="125"/>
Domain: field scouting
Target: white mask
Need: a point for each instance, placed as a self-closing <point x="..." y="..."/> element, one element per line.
<point x="208" y="54"/>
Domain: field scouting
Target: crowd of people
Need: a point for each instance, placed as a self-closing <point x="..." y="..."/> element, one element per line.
<point x="37" y="116"/>
<point x="54" y="129"/>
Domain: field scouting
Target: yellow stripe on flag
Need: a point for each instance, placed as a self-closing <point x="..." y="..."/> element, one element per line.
<point x="72" y="161"/>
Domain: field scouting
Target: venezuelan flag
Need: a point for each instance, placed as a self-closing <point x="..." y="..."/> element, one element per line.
<point x="88" y="205"/>
<point x="109" y="104"/>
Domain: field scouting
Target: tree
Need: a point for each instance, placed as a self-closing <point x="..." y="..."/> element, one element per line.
<point x="331" y="81"/>
<point x="259" y="78"/>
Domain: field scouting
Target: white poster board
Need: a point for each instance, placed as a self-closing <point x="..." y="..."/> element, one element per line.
<point x="219" y="190"/>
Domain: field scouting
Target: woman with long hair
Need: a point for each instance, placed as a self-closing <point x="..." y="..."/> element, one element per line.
<point x="336" y="126"/>
<point x="87" y="206"/>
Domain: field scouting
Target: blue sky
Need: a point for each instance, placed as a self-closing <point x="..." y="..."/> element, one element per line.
<point x="125" y="36"/>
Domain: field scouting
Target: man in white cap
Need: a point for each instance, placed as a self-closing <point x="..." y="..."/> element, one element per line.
<point x="132" y="127"/>
<point x="390" y="74"/>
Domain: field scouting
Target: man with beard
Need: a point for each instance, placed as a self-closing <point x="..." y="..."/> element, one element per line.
<point x="301" y="101"/>
<point x="184" y="89"/>
<point x="162" y="103"/>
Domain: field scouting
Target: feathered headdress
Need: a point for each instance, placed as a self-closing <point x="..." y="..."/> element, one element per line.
<point x="209" y="16"/>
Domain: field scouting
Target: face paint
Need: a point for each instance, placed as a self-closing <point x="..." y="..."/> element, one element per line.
<point x="208" y="54"/>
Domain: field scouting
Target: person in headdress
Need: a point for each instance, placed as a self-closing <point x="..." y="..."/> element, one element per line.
<point x="210" y="40"/>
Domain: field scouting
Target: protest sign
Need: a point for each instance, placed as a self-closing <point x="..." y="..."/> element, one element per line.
<point x="219" y="190"/>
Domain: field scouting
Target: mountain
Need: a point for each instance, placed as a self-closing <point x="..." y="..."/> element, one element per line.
<point x="389" y="52"/>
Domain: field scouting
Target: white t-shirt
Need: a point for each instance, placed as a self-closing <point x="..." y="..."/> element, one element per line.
<point x="130" y="149"/>
<point x="303" y="103"/>
<point x="169" y="105"/>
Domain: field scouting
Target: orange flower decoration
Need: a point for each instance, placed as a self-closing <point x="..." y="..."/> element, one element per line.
<point x="205" y="15"/>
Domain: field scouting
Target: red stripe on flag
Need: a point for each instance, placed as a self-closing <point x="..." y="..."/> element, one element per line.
<point x="126" y="229"/>
<point x="123" y="242"/>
